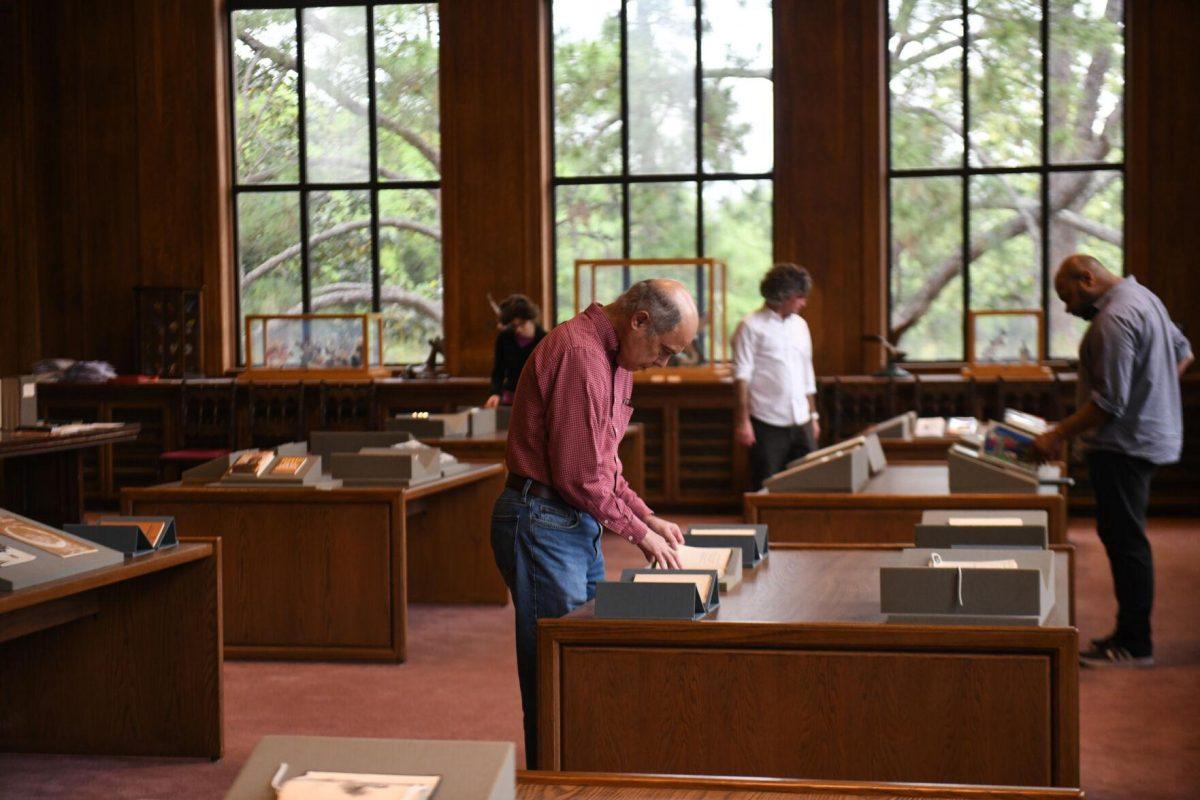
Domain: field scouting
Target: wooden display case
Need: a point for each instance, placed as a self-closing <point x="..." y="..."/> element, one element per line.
<point x="314" y="347"/>
<point x="603" y="280"/>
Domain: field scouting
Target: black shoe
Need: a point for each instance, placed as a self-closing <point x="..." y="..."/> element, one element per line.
<point x="1114" y="655"/>
<point x="1100" y="644"/>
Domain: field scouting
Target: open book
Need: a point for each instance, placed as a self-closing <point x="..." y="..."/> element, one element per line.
<point x="703" y="583"/>
<point x="314" y="785"/>
<point x="725" y="561"/>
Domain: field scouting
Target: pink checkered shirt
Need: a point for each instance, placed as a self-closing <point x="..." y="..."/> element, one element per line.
<point x="569" y="415"/>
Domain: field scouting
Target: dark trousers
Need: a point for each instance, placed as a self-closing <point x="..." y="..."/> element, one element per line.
<point x="775" y="446"/>
<point x="1122" y="487"/>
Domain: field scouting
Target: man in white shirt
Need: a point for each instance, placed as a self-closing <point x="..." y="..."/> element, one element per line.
<point x="773" y="372"/>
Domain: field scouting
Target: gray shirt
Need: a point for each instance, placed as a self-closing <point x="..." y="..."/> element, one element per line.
<point x="1128" y="366"/>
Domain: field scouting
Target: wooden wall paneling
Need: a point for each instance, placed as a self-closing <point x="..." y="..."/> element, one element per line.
<point x="828" y="168"/>
<point x="494" y="169"/>
<point x="13" y="301"/>
<point x="1163" y="154"/>
<point x="183" y="158"/>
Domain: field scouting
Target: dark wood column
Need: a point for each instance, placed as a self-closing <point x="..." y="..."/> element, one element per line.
<point x="829" y="173"/>
<point x="494" y="168"/>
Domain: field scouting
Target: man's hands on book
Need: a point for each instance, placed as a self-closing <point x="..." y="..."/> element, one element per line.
<point x="659" y="551"/>
<point x="664" y="528"/>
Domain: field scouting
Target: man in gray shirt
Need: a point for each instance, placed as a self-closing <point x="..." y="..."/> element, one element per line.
<point x="1129" y="420"/>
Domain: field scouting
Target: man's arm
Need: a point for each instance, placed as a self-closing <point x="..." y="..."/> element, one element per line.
<point x="576" y="430"/>
<point x="743" y="369"/>
<point x="1090" y="416"/>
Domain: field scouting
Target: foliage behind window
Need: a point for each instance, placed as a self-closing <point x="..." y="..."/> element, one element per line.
<point x="338" y="165"/>
<point x="663" y="140"/>
<point x="999" y="110"/>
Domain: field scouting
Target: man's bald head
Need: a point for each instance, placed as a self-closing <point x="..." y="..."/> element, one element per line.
<point x="1080" y="281"/>
<point x="654" y="320"/>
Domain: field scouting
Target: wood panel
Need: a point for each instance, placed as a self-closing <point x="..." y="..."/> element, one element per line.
<point x="141" y="675"/>
<point x="801" y="635"/>
<point x="1163" y="158"/>
<point x="829" y="170"/>
<point x="494" y="168"/>
<point x="122" y="143"/>
<point x="544" y="785"/>
<point x="307" y="574"/>
<point x="733" y="698"/>
<point x="449" y="542"/>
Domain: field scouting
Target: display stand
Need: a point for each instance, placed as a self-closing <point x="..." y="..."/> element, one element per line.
<point x="753" y="540"/>
<point x="898" y="427"/>
<point x="974" y="473"/>
<point x="980" y="528"/>
<point x="843" y="471"/>
<point x="34" y="553"/>
<point x="631" y="598"/>
<point x="326" y="443"/>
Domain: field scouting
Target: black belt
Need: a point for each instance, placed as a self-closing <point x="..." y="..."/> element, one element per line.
<point x="536" y="488"/>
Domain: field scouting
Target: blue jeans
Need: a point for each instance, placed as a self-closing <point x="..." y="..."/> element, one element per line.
<point x="549" y="555"/>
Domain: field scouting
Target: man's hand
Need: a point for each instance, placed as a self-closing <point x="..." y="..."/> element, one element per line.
<point x="667" y="530"/>
<point x="1048" y="446"/>
<point x="744" y="433"/>
<point x="659" y="551"/>
<point x="816" y="429"/>
<point x="492" y="401"/>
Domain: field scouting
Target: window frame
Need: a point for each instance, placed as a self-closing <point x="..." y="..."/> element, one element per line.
<point x="302" y="187"/>
<point x="624" y="179"/>
<point x="1044" y="169"/>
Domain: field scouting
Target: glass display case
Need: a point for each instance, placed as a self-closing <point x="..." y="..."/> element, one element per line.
<point x="1008" y="344"/>
<point x="314" y="347"/>
<point x="603" y="280"/>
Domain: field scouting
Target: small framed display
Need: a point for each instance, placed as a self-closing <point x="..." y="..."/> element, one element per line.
<point x="170" y="341"/>
<point x="1006" y="343"/>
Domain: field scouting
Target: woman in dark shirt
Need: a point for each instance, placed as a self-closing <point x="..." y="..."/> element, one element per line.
<point x="514" y="343"/>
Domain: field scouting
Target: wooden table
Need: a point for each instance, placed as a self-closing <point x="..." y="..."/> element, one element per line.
<point x="328" y="575"/>
<point x="41" y="474"/>
<point x="594" y="786"/>
<point x="490" y="447"/>
<point x="888" y="507"/>
<point x="798" y="675"/>
<point x="123" y="660"/>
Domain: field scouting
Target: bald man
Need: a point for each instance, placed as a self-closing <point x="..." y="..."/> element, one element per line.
<point x="1129" y="420"/>
<point x="565" y="485"/>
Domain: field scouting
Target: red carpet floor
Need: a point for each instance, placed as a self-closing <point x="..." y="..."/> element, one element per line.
<point x="1140" y="729"/>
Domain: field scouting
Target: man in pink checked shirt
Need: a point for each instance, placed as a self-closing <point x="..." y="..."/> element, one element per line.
<point x="565" y="484"/>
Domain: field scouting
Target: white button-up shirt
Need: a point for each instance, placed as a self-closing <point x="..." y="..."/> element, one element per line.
<point x="773" y="356"/>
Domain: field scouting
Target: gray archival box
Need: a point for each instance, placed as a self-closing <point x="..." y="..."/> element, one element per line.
<point x="913" y="592"/>
<point x="468" y="770"/>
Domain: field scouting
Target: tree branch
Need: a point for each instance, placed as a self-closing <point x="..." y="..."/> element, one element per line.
<point x="1089" y="226"/>
<point x="337" y="230"/>
<point x="284" y="61"/>
<point x="348" y="293"/>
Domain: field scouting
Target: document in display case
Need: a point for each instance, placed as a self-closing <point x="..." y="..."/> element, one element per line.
<point x="658" y="594"/>
<point x="753" y="540"/>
